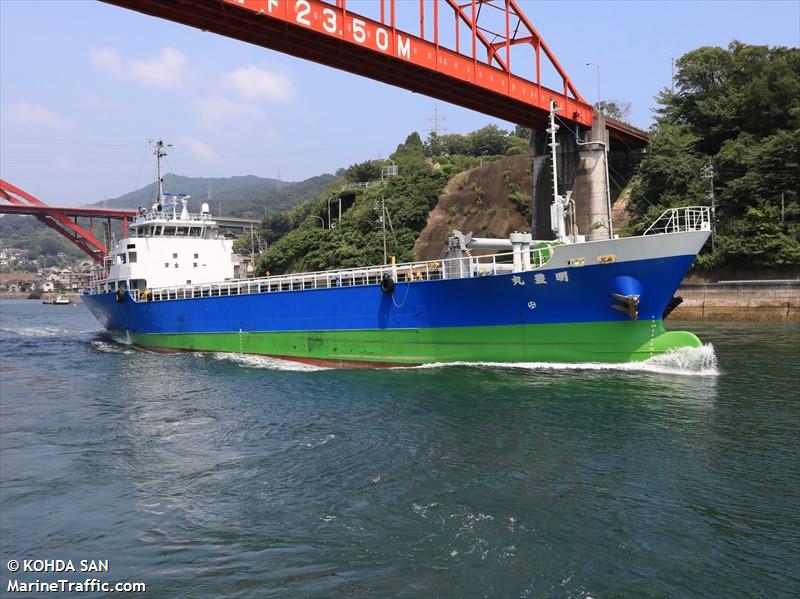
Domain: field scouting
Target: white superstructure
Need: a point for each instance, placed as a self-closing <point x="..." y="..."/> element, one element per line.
<point x="166" y="245"/>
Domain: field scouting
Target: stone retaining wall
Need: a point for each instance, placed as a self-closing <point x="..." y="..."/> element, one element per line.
<point x="755" y="301"/>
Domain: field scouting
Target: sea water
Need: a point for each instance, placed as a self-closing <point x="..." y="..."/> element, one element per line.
<point x="207" y="475"/>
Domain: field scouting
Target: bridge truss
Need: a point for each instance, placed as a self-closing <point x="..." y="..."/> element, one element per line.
<point x="461" y="53"/>
<point x="64" y="220"/>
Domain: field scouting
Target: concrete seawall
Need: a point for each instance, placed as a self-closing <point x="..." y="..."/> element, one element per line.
<point x="24" y="295"/>
<point x="754" y="301"/>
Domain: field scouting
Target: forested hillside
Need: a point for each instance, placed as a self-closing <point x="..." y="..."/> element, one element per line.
<point x="302" y="239"/>
<point x="248" y="196"/>
<point x="736" y="110"/>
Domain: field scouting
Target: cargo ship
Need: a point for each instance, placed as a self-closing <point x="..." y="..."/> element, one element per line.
<point x="170" y="285"/>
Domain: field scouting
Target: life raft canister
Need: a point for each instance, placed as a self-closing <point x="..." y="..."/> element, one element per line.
<point x="387" y="284"/>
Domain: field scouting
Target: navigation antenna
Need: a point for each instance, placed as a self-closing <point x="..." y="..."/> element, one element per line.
<point x="160" y="151"/>
<point x="558" y="209"/>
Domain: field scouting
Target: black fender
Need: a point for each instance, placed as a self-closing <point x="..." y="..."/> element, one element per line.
<point x="387" y="284"/>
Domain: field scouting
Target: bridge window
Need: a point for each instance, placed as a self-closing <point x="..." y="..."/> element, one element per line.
<point x="169" y="231"/>
<point x="132" y="257"/>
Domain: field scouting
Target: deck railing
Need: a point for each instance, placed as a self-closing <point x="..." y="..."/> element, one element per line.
<point x="432" y="270"/>
<point x="171" y="217"/>
<point x="682" y="220"/>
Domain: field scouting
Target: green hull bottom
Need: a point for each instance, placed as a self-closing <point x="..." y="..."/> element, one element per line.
<point x="623" y="341"/>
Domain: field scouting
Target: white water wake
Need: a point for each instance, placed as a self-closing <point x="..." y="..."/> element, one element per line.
<point x="686" y="361"/>
<point x="42" y="331"/>
<point x="112" y="347"/>
<point x="266" y="363"/>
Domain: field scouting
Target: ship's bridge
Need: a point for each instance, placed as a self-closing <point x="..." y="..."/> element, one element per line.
<point x="165" y="221"/>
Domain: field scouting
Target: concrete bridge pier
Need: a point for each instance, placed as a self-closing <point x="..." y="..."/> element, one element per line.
<point x="582" y="169"/>
<point x="591" y="191"/>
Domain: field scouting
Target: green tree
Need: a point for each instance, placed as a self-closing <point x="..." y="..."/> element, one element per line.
<point x="614" y="108"/>
<point x="737" y="109"/>
<point x="454" y="144"/>
<point x="434" y="145"/>
<point x="369" y="170"/>
<point x="488" y="141"/>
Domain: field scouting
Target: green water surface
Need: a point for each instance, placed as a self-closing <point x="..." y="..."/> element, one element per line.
<point x="236" y="476"/>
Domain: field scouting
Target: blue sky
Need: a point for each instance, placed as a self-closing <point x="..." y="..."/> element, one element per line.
<point x="84" y="84"/>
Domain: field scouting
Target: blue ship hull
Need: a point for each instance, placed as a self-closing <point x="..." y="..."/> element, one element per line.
<point x="562" y="314"/>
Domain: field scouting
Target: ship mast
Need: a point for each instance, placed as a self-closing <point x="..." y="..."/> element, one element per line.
<point x="552" y="130"/>
<point x="559" y="207"/>
<point x="160" y="151"/>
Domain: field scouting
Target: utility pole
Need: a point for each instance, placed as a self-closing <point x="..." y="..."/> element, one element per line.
<point x="383" y="223"/>
<point x="252" y="245"/>
<point x="597" y="65"/>
<point x="708" y="173"/>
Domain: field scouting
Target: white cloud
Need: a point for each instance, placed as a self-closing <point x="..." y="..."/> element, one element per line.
<point x="108" y="60"/>
<point x="200" y="150"/>
<point x="166" y="70"/>
<point x="254" y="83"/>
<point x="25" y="113"/>
<point x="213" y="109"/>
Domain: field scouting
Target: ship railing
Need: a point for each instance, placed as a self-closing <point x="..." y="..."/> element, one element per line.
<point x="681" y="220"/>
<point x="97" y="278"/>
<point x="166" y="215"/>
<point x="411" y="272"/>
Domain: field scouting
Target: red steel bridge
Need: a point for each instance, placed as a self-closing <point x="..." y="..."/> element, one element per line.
<point x="63" y="220"/>
<point x="459" y="52"/>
